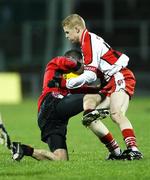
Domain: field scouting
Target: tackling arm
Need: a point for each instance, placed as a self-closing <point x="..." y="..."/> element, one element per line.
<point x="86" y="77"/>
<point x="122" y="62"/>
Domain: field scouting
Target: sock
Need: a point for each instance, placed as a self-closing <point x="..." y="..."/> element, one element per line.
<point x="27" y="150"/>
<point x="111" y="144"/>
<point x="87" y="111"/>
<point x="129" y="139"/>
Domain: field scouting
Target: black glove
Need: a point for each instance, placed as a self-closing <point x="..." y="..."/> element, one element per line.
<point x="54" y="83"/>
<point x="4" y="137"/>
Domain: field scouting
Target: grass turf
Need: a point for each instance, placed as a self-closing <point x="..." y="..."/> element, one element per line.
<point x="87" y="154"/>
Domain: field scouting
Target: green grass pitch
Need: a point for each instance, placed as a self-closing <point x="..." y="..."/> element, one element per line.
<point x="87" y="154"/>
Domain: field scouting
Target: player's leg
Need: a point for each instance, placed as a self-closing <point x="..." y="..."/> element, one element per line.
<point x="105" y="103"/>
<point x="95" y="107"/>
<point x="118" y="106"/>
<point x="99" y="129"/>
<point x="57" y="146"/>
<point x="91" y="101"/>
<point x="54" y="129"/>
<point x="105" y="137"/>
<point x="20" y="150"/>
<point x="53" y="132"/>
<point x="70" y="106"/>
<point x="56" y="143"/>
<point x="41" y="154"/>
<point x="66" y="108"/>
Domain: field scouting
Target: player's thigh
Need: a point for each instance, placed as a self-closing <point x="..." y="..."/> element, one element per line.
<point x="48" y="119"/>
<point x="119" y="101"/>
<point x="104" y="104"/>
<point x="47" y="113"/>
<point x="57" y="140"/>
<point x="90" y="101"/>
<point x="125" y="105"/>
<point x="70" y="105"/>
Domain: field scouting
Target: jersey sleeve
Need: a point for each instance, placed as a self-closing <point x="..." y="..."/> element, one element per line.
<point x="86" y="77"/>
<point x="122" y="61"/>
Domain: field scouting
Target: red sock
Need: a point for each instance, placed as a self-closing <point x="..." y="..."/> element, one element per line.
<point x="109" y="142"/>
<point x="129" y="138"/>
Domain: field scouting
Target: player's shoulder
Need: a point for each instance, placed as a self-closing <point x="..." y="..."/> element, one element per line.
<point x="59" y="59"/>
<point x="96" y="37"/>
<point x="55" y="61"/>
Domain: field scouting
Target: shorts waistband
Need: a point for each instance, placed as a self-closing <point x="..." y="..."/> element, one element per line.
<point x="57" y="95"/>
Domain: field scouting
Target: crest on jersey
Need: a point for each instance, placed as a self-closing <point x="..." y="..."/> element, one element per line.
<point x="120" y="82"/>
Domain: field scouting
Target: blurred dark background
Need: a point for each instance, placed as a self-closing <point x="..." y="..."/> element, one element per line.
<point x="31" y="34"/>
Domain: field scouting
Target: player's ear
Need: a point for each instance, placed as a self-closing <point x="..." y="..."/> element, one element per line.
<point x="77" y="29"/>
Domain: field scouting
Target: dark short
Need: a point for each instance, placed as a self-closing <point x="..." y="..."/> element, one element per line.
<point x="53" y="118"/>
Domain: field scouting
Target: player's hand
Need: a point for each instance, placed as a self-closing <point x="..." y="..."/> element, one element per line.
<point x="54" y="83"/>
<point x="107" y="78"/>
<point x="114" y="70"/>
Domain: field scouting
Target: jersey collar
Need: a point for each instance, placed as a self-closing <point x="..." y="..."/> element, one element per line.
<point x="83" y="36"/>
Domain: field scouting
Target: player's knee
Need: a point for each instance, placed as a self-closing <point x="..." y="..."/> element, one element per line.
<point x="90" y="101"/>
<point x="61" y="154"/>
<point x="116" y="116"/>
<point x="86" y="97"/>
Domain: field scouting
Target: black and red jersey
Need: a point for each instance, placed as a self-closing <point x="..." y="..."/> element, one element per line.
<point x="55" y="68"/>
